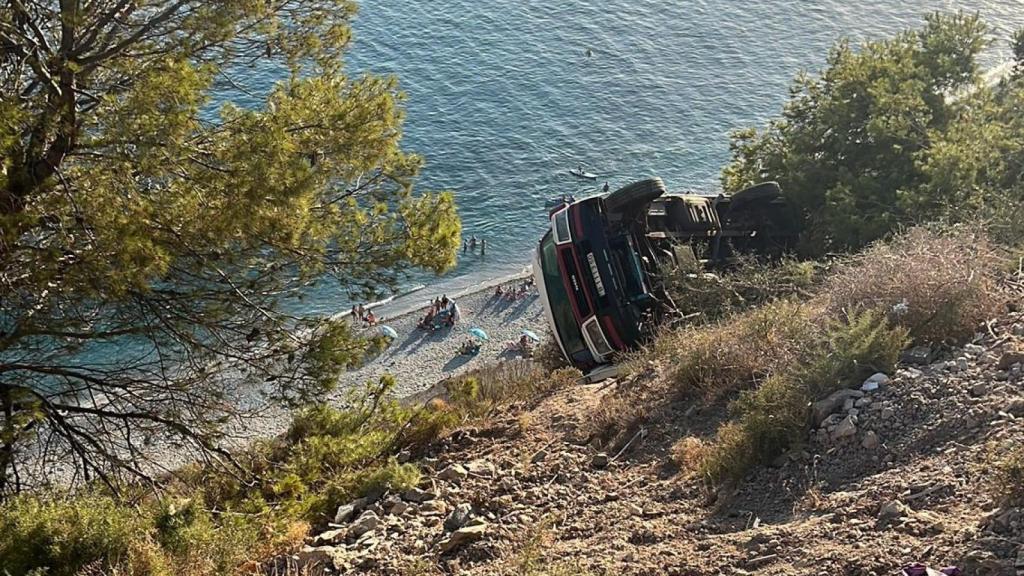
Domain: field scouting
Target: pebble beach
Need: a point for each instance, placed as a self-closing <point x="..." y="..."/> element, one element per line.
<point x="418" y="359"/>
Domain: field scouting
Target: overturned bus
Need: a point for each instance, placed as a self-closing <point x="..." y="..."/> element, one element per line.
<point x="600" y="265"/>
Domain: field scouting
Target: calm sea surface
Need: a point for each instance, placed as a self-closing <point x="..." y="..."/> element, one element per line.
<point x="503" y="99"/>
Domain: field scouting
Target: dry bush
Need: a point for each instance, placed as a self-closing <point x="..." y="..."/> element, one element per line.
<point x="479" y="392"/>
<point x="616" y="418"/>
<point x="688" y="453"/>
<point x="719" y="359"/>
<point x="771" y="418"/>
<point x="1008" y="480"/>
<point x="745" y="284"/>
<point x="941" y="285"/>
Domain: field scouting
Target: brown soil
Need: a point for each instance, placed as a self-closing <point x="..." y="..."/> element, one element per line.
<point x="536" y="478"/>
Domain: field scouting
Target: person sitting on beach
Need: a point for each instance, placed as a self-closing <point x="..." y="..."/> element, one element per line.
<point x="498" y="291"/>
<point x="525" y="346"/>
<point x="428" y="320"/>
<point x="371" y="318"/>
<point x="469" y="348"/>
<point x="521" y="292"/>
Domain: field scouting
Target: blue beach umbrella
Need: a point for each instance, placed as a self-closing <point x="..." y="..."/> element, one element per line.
<point x="531" y="335"/>
<point x="388" y="331"/>
<point x="479" y="333"/>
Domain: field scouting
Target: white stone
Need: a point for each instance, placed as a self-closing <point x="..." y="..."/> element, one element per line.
<point x="870" y="440"/>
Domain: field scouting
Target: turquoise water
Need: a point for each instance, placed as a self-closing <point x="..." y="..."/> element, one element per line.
<point x="502" y="98"/>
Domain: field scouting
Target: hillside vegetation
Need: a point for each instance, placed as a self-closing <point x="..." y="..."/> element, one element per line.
<point x="738" y="442"/>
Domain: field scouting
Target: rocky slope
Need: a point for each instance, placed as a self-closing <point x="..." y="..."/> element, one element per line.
<point x="585" y="482"/>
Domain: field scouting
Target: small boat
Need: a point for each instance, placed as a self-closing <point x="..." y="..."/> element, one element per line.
<point x="581" y="174"/>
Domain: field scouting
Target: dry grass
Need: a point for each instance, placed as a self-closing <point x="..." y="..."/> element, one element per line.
<point x="744" y="349"/>
<point x="617" y="417"/>
<point x="941" y="285"/>
<point x="688" y="453"/>
<point x="771" y="418"/>
<point x="1008" y="480"/>
<point x="478" y="393"/>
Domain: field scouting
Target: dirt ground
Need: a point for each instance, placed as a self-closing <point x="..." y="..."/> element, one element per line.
<point x="584" y="482"/>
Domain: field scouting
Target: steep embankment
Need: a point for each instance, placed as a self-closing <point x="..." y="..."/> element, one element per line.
<point x="893" y="476"/>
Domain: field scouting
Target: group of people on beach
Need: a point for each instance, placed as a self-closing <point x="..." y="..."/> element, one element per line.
<point x="514" y="292"/>
<point x="360" y="313"/>
<point x="470" y="245"/>
<point x="441" y="313"/>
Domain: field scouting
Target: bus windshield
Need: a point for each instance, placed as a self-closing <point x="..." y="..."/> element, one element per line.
<point x="558" y="300"/>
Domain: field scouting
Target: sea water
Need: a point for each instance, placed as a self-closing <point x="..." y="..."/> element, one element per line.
<point x="505" y="96"/>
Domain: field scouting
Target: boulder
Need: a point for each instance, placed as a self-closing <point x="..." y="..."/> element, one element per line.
<point x="418" y="495"/>
<point x="365" y="523"/>
<point x="461" y="537"/>
<point x="846" y="427"/>
<point x="453" y="473"/>
<point x="458" y="517"/>
<point x="822" y="408"/>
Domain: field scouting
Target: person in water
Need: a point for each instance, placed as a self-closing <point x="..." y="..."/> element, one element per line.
<point x="465" y="246"/>
<point x="605" y="188"/>
<point x="472" y="243"/>
<point x="483" y="246"/>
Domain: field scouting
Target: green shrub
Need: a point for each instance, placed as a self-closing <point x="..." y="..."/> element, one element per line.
<point x="770" y="419"/>
<point x="63" y="535"/>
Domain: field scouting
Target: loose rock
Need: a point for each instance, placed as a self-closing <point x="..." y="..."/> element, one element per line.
<point x="366" y="522"/>
<point x="458" y="517"/>
<point x="461" y="537"/>
<point x="846" y="427"/>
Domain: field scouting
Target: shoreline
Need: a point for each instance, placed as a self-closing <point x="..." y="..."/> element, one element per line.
<point x="417" y="359"/>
